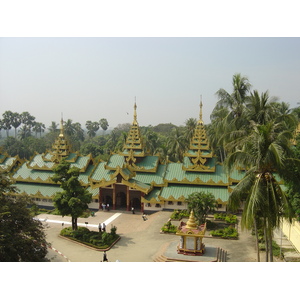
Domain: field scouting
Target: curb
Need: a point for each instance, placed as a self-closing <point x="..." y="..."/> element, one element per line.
<point x="59" y="253"/>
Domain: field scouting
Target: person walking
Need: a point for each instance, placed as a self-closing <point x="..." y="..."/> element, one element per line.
<point x="104" y="257"/>
<point x="107" y="206"/>
<point x="99" y="227"/>
<point x="103" y="227"/>
<point x="144" y="217"/>
<point x="132" y="209"/>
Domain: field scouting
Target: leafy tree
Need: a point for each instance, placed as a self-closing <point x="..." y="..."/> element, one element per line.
<point x="92" y="128"/>
<point x="74" y="198"/>
<point x="16" y="121"/>
<point x="103" y="124"/>
<point x="176" y="145"/>
<point x="190" y="126"/>
<point x="38" y="128"/>
<point x="53" y="127"/>
<point x="7" y="121"/>
<point x="21" y="237"/>
<point x="201" y="203"/>
<point x="69" y="127"/>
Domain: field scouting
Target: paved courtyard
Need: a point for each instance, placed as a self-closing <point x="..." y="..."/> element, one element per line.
<point x="140" y="241"/>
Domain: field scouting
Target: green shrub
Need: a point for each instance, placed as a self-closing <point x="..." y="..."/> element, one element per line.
<point x="179" y="214"/>
<point x="169" y="228"/>
<point x="231" y="219"/>
<point x="67" y="231"/>
<point x="225" y="233"/>
<point x="80" y="232"/>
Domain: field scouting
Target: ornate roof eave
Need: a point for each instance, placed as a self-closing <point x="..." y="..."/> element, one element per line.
<point x="102" y="183"/>
<point x="196" y="181"/>
<point x="194" y="155"/>
<point x="171" y="198"/>
<point x="120" y="171"/>
<point x="136" y="186"/>
<point x="36" y="167"/>
<point x="31" y="180"/>
<point x="199" y="168"/>
<point x="152" y="200"/>
<point x="36" y="195"/>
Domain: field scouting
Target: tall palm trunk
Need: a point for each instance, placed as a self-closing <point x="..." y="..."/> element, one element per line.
<point x="256" y="237"/>
<point x="271" y="247"/>
<point x="266" y="240"/>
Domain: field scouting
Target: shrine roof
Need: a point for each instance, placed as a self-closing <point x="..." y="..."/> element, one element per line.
<point x="136" y="184"/>
<point x="148" y="162"/>
<point x="175" y="173"/>
<point x="36" y="190"/>
<point x="100" y="172"/>
<point x="81" y="162"/>
<point x="39" y="162"/>
<point x="84" y="177"/>
<point x="115" y="160"/>
<point x="25" y="173"/>
<point x="156" y="178"/>
<point x="181" y="192"/>
<point x="153" y="195"/>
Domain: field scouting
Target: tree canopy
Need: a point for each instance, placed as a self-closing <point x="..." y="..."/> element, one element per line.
<point x="22" y="237"/>
<point x="74" y="198"/>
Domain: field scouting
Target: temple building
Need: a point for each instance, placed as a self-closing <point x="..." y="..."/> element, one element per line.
<point x="130" y="178"/>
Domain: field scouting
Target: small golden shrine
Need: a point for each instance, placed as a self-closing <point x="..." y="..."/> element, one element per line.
<point x="191" y="236"/>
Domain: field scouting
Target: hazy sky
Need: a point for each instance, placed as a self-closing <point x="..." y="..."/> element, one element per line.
<point x="94" y="78"/>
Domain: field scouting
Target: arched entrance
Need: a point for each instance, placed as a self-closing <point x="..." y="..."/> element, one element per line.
<point x="120" y="196"/>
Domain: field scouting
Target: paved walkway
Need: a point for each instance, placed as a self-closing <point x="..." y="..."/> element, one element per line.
<point x="140" y="241"/>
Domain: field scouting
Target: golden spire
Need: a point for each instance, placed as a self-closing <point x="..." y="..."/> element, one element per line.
<point x="61" y="127"/>
<point x="200" y="115"/>
<point x="135" y="114"/>
<point x="191" y="223"/>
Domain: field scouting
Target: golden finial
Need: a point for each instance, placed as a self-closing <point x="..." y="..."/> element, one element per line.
<point x="61" y="126"/>
<point x="191" y="223"/>
<point x="200" y="116"/>
<point x="134" y="113"/>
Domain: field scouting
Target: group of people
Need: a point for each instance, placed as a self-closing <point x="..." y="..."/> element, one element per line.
<point x="105" y="206"/>
<point x="102" y="227"/>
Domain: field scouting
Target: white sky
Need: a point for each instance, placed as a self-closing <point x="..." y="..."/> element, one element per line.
<point x="89" y="78"/>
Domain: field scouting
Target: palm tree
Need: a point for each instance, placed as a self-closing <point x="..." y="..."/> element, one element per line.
<point x="38" y="128"/>
<point x="53" y="127"/>
<point x="176" y="144"/>
<point x="16" y="122"/>
<point x="260" y="108"/>
<point x="216" y="131"/>
<point x="151" y="141"/>
<point x="69" y="128"/>
<point x="103" y="124"/>
<point x="92" y="128"/>
<point x="190" y="126"/>
<point x="264" y="150"/>
<point x="235" y="101"/>
<point x="7" y="121"/>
